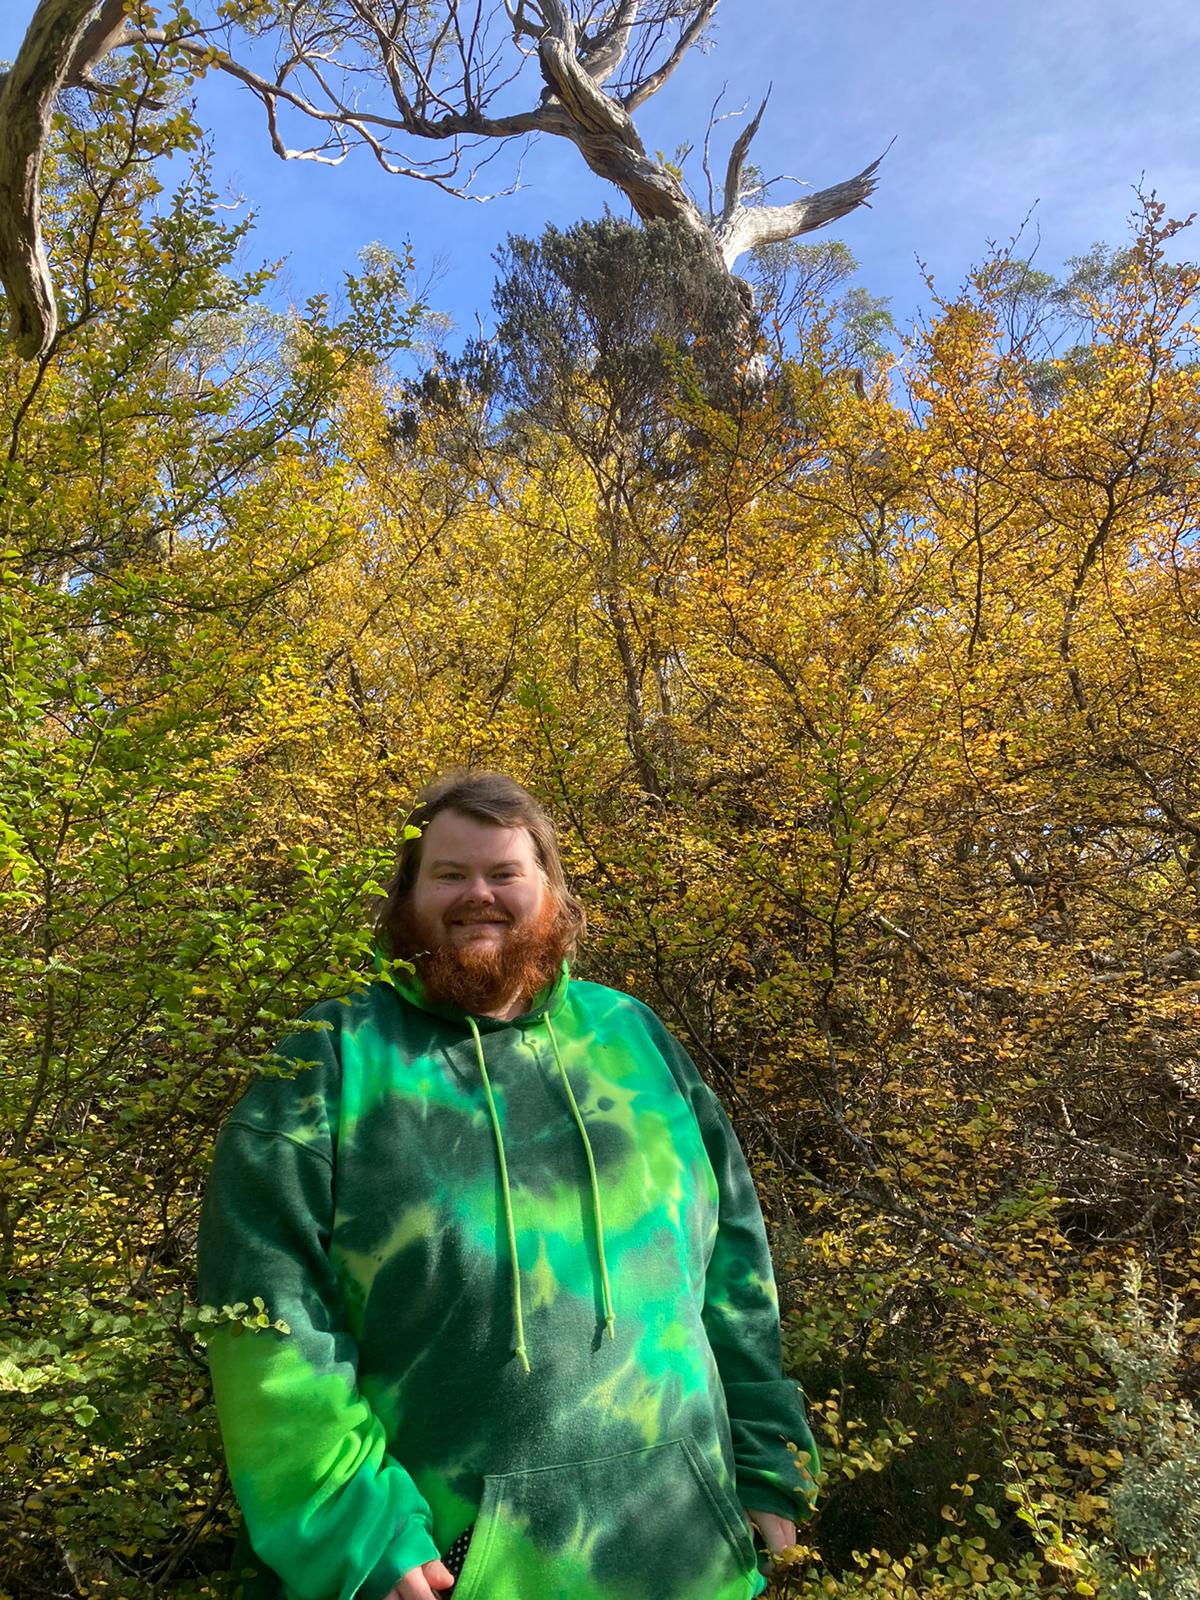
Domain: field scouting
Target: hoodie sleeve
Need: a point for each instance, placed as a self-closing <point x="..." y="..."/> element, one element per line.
<point x="741" y="1317"/>
<point x="325" y="1506"/>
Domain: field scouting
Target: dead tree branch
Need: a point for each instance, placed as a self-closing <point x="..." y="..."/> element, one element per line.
<point x="370" y="74"/>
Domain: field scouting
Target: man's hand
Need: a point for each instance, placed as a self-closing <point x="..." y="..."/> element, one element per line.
<point x="422" y="1583"/>
<point x="777" y="1532"/>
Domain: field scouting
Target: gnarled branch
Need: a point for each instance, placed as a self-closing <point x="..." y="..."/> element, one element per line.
<point x="440" y="79"/>
<point x="602" y="54"/>
<point x="746" y="227"/>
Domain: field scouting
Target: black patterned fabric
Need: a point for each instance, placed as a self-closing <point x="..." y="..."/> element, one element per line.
<point x="457" y="1553"/>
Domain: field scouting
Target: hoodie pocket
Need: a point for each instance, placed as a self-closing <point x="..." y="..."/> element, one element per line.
<point x="654" y="1523"/>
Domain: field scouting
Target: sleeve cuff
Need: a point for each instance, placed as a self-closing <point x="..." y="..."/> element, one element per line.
<point x="412" y="1547"/>
<point x="754" y="1495"/>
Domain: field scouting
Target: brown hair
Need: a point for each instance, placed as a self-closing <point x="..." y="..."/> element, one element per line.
<point x="489" y="797"/>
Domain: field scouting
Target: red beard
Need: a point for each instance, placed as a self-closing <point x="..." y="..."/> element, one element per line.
<point x="483" y="979"/>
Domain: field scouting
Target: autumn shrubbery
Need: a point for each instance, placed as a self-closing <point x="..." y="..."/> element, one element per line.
<point x="865" y="698"/>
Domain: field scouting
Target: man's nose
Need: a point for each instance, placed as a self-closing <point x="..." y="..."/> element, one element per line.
<point x="478" y="889"/>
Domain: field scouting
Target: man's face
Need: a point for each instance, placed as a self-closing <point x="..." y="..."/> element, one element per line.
<point x="477" y="885"/>
<point x="480" y="926"/>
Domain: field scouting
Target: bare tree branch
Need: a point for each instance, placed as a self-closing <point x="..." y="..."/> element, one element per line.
<point x="521" y="26"/>
<point x="450" y="125"/>
<point x="750" y="226"/>
<point x="559" y="23"/>
<point x="737" y="162"/>
<point x="600" y="57"/>
<point x="102" y="35"/>
<point x="650" y="85"/>
<point x="441" y="66"/>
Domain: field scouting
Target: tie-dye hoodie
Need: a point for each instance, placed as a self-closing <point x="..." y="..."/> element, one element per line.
<point x="526" y="1287"/>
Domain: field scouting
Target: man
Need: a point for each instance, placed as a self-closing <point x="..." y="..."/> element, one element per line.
<point x="529" y="1306"/>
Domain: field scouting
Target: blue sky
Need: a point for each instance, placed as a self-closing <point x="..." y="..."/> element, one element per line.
<point x="1061" y="106"/>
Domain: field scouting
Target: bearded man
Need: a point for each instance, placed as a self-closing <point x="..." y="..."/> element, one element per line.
<point x="532" y="1336"/>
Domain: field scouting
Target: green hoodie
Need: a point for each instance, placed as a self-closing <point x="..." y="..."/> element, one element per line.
<point x="526" y="1286"/>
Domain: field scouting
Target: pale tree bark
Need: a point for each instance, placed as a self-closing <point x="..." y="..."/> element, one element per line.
<point x="415" y="86"/>
<point x="65" y="39"/>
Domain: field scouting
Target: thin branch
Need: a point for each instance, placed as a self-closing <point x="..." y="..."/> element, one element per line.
<point x="705" y="165"/>
<point x="641" y="92"/>
<point x="521" y="26"/>
<point x="450" y="125"/>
